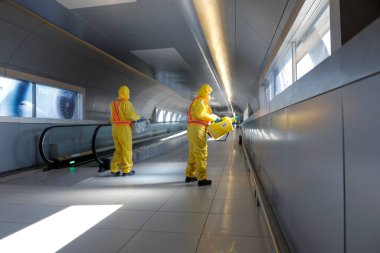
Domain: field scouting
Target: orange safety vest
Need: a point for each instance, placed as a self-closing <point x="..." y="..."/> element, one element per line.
<point x="116" y="121"/>
<point x="191" y="120"/>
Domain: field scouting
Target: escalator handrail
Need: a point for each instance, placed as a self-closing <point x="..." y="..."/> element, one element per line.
<point x="42" y="139"/>
<point x="93" y="142"/>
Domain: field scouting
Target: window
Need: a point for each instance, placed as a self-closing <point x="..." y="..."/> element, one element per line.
<point x="160" y="116"/>
<point x="269" y="88"/>
<point x="284" y="73"/>
<point x="307" y="46"/>
<point x="168" y="116"/>
<point x="174" y="117"/>
<point x="315" y="43"/>
<point x="180" y="117"/>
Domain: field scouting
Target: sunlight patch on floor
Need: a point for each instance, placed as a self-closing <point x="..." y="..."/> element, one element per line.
<point x="57" y="230"/>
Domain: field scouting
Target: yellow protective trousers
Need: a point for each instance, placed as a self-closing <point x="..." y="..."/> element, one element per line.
<point x="122" y="138"/>
<point x="197" y="162"/>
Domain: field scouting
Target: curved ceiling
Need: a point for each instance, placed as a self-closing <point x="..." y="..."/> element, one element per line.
<point x="157" y="38"/>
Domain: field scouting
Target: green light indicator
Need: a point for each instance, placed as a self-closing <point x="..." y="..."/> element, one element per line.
<point x="72" y="162"/>
<point x="72" y="169"/>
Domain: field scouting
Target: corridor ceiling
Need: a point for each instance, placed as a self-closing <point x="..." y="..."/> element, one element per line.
<point x="161" y="38"/>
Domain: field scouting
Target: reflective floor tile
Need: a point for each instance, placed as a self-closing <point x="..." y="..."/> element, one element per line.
<point x="161" y="169"/>
<point x="234" y="173"/>
<point x="176" y="222"/>
<point x="143" y="203"/>
<point x="187" y="205"/>
<point x="191" y="190"/>
<point x="125" y="219"/>
<point x="234" y="178"/>
<point x="159" y="242"/>
<point x="35" y="196"/>
<point x="233" y="244"/>
<point x="8" y="228"/>
<point x="235" y="185"/>
<point x="97" y="197"/>
<point x="26" y="213"/>
<point x="235" y="206"/>
<point x="62" y="177"/>
<point x="241" y="225"/>
<point x="155" y="192"/>
<point x="224" y="193"/>
<point x="99" y="241"/>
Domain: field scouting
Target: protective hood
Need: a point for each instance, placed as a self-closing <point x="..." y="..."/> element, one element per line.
<point x="204" y="91"/>
<point x="123" y="92"/>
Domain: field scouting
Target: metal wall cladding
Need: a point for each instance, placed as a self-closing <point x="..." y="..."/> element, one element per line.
<point x="265" y="155"/>
<point x="278" y="169"/>
<point x="299" y="155"/>
<point x="21" y="145"/>
<point x="315" y="162"/>
<point x="9" y="44"/>
<point x="362" y="159"/>
<point x="9" y="133"/>
<point x="320" y="166"/>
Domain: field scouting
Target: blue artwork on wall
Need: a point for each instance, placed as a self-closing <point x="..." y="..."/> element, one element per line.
<point x="16" y="98"/>
<point x="56" y="103"/>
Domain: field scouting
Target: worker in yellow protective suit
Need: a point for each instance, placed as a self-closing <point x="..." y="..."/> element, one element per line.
<point x="199" y="116"/>
<point x="122" y="115"/>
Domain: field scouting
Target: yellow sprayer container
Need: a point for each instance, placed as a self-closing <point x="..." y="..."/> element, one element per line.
<point x="217" y="130"/>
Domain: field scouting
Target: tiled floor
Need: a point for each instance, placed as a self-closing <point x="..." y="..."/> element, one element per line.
<point x="157" y="211"/>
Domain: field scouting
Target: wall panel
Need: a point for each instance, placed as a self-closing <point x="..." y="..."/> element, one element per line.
<point x="279" y="170"/>
<point x="320" y="167"/>
<point x="9" y="44"/>
<point x="316" y="174"/>
<point x="362" y="163"/>
<point x="21" y="145"/>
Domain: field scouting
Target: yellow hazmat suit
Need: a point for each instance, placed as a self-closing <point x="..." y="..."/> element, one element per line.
<point x="199" y="116"/>
<point x="122" y="115"/>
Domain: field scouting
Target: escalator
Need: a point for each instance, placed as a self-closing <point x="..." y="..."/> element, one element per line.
<point x="73" y="145"/>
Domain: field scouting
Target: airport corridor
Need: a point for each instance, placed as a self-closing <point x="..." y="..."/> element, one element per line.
<point x="152" y="211"/>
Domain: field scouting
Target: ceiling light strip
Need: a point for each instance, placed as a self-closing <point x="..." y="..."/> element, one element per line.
<point x="211" y="20"/>
<point x="190" y="15"/>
